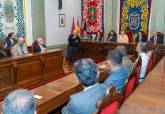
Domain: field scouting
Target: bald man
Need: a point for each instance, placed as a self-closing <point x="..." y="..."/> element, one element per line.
<point x="20" y="48"/>
<point x="39" y="46"/>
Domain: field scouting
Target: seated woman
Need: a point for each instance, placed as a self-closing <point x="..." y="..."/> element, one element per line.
<point x="118" y="73"/>
<point x="38" y="46"/>
<point x="129" y="34"/>
<point x="112" y="37"/>
<point x="141" y="37"/>
<point x="84" y="102"/>
<point x="10" y="40"/>
<point x="123" y="38"/>
<point x="99" y="37"/>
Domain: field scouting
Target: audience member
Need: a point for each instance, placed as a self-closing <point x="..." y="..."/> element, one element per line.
<point x="84" y="102"/>
<point x="112" y="37"/>
<point x="99" y="37"/>
<point x="126" y="61"/>
<point x="156" y="39"/>
<point x="129" y="34"/>
<point x="123" y="38"/>
<point x="141" y="49"/>
<point x="73" y="41"/>
<point x="141" y="37"/>
<point x="19" y="102"/>
<point x="20" y="48"/>
<point x="118" y="74"/>
<point x="38" y="46"/>
<point x="86" y="36"/>
<point x="11" y="40"/>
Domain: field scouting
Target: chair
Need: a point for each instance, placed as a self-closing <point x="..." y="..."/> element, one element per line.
<point x="110" y="103"/>
<point x="136" y="69"/>
<point x="130" y="85"/>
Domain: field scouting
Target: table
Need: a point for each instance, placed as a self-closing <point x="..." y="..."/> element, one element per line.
<point x="149" y="97"/>
<point x="57" y="93"/>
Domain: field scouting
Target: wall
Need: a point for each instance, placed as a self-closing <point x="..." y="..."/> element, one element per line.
<point x="56" y="35"/>
<point x="111" y="15"/>
<point x="28" y="22"/>
<point x="157" y="20"/>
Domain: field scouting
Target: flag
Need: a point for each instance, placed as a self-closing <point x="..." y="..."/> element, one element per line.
<point x="85" y="25"/>
<point x="73" y="26"/>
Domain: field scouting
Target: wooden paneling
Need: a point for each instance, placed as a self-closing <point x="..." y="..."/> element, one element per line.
<point x="6" y="77"/>
<point x="30" y="71"/>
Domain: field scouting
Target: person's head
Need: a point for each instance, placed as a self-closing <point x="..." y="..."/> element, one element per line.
<point x="19" y="102"/>
<point x="21" y="41"/>
<point x="86" y="71"/>
<point x="123" y="32"/>
<point x="155" y="33"/>
<point x="75" y="33"/>
<point x="11" y="35"/>
<point x="141" y="48"/>
<point x="114" y="58"/>
<point x="122" y="49"/>
<point x="98" y="33"/>
<point x="40" y="41"/>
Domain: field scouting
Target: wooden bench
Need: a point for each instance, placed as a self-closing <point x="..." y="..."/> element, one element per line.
<point x="57" y="93"/>
<point x="30" y="71"/>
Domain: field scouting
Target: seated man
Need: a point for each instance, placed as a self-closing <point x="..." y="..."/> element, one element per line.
<point x="38" y="46"/>
<point x="19" y="102"/>
<point x="20" y="48"/>
<point x="141" y="49"/>
<point x="156" y="39"/>
<point x="126" y="61"/>
<point x="84" y="102"/>
<point x="118" y="74"/>
<point x="86" y="36"/>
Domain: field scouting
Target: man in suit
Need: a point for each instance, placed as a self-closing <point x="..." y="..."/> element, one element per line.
<point x="19" y="102"/>
<point x="20" y="48"/>
<point x="141" y="38"/>
<point x="156" y="39"/>
<point x="38" y="46"/>
<point x="84" y="102"/>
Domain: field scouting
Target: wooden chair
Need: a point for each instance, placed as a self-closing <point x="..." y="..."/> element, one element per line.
<point x="110" y="103"/>
<point x="136" y="69"/>
<point x="130" y="85"/>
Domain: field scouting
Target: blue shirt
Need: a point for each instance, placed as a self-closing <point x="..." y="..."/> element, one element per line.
<point x="117" y="78"/>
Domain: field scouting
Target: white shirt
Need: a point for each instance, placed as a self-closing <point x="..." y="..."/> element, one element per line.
<point x="42" y="48"/>
<point x="145" y="59"/>
<point x="122" y="39"/>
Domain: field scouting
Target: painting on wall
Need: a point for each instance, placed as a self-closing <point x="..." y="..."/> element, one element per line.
<point x="135" y="15"/>
<point x="12" y="18"/>
<point x="62" y="20"/>
<point x="93" y="15"/>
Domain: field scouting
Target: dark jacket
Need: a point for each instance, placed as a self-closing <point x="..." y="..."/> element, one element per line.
<point x="73" y="41"/>
<point x="9" y="43"/>
<point x="159" y="40"/>
<point x="142" y="40"/>
<point x="113" y="39"/>
<point x="36" y="47"/>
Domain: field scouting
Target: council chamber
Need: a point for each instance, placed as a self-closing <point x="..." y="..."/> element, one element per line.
<point x="82" y="56"/>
